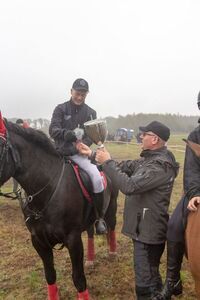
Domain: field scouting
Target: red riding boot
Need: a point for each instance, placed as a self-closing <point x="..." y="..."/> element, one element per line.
<point x="53" y="292"/>
<point x="83" y="295"/>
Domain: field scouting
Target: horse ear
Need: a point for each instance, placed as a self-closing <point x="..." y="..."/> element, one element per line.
<point x="195" y="147"/>
<point x="2" y="126"/>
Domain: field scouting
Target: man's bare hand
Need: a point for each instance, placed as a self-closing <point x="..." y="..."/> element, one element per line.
<point x="102" y="155"/>
<point x="193" y="203"/>
<point x="83" y="149"/>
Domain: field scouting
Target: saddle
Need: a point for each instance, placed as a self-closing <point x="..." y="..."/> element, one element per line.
<point x="84" y="180"/>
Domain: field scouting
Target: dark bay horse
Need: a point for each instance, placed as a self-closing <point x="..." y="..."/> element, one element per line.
<point x="54" y="211"/>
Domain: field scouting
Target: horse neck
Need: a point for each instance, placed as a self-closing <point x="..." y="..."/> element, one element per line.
<point x="37" y="166"/>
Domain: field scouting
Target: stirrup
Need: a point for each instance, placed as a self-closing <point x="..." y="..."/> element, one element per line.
<point x="101" y="227"/>
<point x="171" y="287"/>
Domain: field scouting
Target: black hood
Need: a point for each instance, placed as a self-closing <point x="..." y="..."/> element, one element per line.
<point x="164" y="155"/>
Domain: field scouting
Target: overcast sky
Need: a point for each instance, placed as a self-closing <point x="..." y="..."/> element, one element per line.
<point x="138" y="56"/>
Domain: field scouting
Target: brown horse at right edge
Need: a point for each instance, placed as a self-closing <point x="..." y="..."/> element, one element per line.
<point x="193" y="235"/>
<point x="193" y="247"/>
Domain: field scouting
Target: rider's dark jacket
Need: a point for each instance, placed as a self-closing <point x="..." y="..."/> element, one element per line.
<point x="191" y="180"/>
<point x="192" y="167"/>
<point x="147" y="184"/>
<point x="68" y="116"/>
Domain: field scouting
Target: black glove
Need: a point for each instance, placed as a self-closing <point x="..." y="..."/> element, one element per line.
<point x="69" y="136"/>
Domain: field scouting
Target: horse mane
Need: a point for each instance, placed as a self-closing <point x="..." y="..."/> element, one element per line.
<point x="34" y="136"/>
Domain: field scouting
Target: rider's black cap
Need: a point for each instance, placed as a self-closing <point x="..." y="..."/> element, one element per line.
<point x="80" y="85"/>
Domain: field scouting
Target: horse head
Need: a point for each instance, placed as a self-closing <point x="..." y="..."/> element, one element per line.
<point x="25" y="154"/>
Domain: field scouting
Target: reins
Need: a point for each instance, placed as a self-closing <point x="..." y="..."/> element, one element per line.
<point x="24" y="202"/>
<point x="37" y="215"/>
<point x="9" y="195"/>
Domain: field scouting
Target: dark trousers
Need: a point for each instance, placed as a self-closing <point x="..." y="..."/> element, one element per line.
<point x="146" y="264"/>
<point x="177" y="222"/>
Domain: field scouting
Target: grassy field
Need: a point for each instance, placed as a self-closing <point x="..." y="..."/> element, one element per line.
<point x="21" y="270"/>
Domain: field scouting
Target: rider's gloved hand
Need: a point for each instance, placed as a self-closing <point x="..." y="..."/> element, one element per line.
<point x="79" y="132"/>
<point x="70" y="136"/>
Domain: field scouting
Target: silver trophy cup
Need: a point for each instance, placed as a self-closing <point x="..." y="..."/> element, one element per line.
<point x="97" y="131"/>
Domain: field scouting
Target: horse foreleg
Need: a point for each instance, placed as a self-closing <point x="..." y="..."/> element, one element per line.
<point x="90" y="247"/>
<point x="75" y="247"/>
<point x="111" y="222"/>
<point x="46" y="255"/>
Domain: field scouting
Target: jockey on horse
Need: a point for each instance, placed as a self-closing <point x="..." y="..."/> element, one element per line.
<point x="66" y="129"/>
<point x="178" y="220"/>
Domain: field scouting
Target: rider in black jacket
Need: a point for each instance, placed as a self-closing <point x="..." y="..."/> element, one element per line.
<point x="67" y="130"/>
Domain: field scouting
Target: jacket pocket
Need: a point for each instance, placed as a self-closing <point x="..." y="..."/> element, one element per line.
<point x="144" y="227"/>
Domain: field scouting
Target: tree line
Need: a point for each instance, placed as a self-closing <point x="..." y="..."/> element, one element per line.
<point x="177" y="123"/>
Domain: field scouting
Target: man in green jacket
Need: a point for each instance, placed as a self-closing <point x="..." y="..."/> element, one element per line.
<point x="147" y="183"/>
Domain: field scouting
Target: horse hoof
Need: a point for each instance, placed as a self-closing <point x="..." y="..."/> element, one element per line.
<point x="89" y="263"/>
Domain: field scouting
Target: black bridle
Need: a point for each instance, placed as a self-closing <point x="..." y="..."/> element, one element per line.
<point x="6" y="147"/>
<point x="24" y="202"/>
<point x="4" y="157"/>
<point x="3" y="153"/>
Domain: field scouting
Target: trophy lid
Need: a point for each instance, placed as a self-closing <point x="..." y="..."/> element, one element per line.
<point x="95" y="122"/>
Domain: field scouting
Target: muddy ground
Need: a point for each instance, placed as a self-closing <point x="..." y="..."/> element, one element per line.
<point x="21" y="275"/>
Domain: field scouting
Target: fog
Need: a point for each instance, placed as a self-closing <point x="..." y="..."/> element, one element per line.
<point x="138" y="56"/>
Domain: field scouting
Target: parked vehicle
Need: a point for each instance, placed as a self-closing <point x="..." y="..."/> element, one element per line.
<point x="124" y="135"/>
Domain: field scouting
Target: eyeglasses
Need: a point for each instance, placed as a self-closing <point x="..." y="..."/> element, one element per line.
<point x="146" y="133"/>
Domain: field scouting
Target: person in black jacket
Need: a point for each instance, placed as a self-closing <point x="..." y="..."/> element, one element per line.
<point x="147" y="183"/>
<point x="178" y="220"/>
<point x="67" y="130"/>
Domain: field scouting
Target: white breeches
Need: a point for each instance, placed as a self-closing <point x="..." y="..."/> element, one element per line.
<point x="84" y="163"/>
